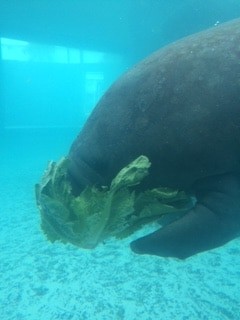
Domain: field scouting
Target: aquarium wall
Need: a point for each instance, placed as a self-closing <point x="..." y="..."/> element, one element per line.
<point x="46" y="86"/>
<point x="58" y="57"/>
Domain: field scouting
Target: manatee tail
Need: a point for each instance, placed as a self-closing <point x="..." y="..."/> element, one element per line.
<point x="214" y="221"/>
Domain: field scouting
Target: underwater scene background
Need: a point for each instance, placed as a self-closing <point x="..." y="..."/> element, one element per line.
<point x="56" y="60"/>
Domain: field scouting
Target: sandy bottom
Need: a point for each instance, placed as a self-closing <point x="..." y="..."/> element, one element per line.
<point x="44" y="281"/>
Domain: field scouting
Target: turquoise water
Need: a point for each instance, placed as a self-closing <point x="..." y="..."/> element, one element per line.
<point x="40" y="280"/>
<point x="43" y="281"/>
<point x="47" y="92"/>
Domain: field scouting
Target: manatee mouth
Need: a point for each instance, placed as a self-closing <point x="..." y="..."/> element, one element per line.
<point x="82" y="175"/>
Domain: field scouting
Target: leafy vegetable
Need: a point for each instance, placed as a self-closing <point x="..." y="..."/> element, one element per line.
<point x="99" y="213"/>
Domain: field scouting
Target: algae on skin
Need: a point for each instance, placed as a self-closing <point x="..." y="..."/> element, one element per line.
<point x="99" y="213"/>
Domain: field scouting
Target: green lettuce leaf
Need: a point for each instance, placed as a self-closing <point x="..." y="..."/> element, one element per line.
<point x="99" y="213"/>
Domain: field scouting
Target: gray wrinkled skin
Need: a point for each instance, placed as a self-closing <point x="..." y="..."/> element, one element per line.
<point x="181" y="108"/>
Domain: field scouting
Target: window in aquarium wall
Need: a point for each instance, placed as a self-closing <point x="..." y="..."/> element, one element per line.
<point x="51" y="86"/>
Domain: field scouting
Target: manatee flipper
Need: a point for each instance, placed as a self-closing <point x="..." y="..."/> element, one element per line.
<point x="213" y="221"/>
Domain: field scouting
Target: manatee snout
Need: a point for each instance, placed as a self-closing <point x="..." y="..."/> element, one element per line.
<point x="81" y="175"/>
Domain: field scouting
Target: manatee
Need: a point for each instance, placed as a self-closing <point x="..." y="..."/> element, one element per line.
<point x="180" y="107"/>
